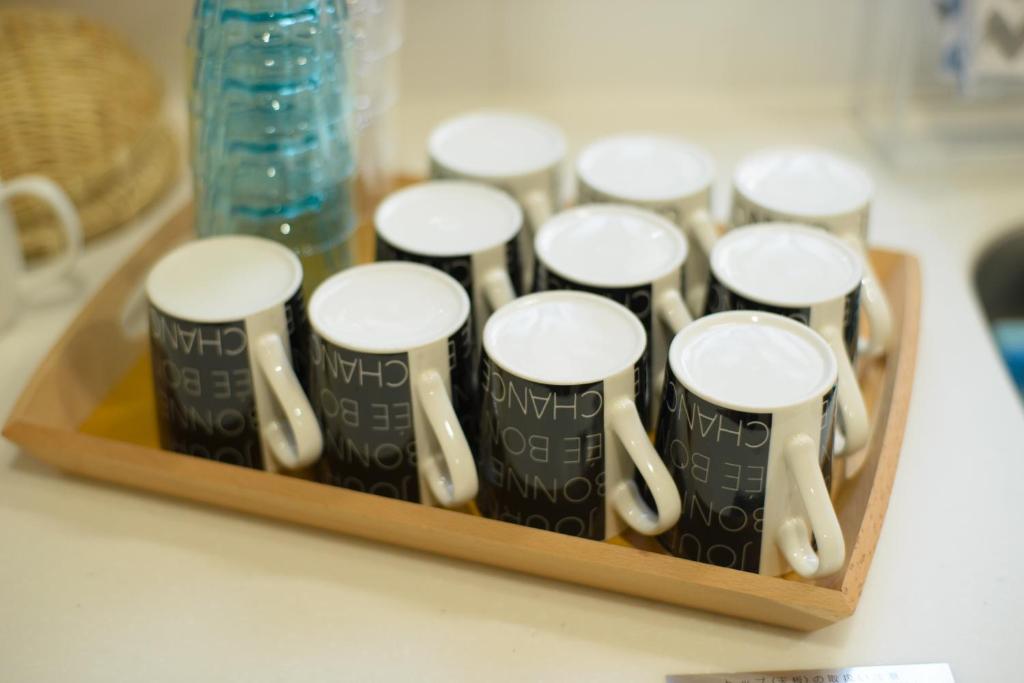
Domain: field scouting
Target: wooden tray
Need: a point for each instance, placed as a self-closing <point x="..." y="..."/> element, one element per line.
<point x="86" y="410"/>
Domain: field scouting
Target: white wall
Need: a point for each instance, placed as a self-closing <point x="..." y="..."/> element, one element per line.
<point x="546" y="45"/>
<point x="485" y="46"/>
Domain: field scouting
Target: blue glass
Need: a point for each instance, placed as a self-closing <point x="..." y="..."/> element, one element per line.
<point x="271" y="126"/>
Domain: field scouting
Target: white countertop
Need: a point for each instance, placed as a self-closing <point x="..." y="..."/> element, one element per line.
<point x="104" y="583"/>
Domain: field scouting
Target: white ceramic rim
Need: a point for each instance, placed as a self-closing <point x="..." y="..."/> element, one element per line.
<point x="569" y="295"/>
<point x="333" y="282"/>
<point x="555" y="155"/>
<point x="405" y="194"/>
<point x="233" y="244"/>
<point x="815" y="232"/>
<point x="701" y="325"/>
<point x="564" y="220"/>
<point x="698" y="152"/>
<point x="867" y="190"/>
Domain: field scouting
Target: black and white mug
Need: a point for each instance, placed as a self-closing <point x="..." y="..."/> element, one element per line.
<point x="228" y="336"/>
<point x="561" y="435"/>
<point x="745" y="429"/>
<point x="390" y="372"/>
<point x="660" y="173"/>
<point x="815" y="187"/>
<point x="466" y="229"/>
<point x="808" y="275"/>
<point x="629" y="255"/>
<point x="518" y="153"/>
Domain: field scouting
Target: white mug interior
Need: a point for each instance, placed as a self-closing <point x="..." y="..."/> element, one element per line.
<point x="495" y="144"/>
<point x="448" y="218"/>
<point x="564" y="338"/>
<point x="388" y="307"/>
<point x="221" y="279"/>
<point x="645" y="168"/>
<point x="804" y="182"/>
<point x="786" y="264"/>
<point x="752" y="362"/>
<point x="610" y="245"/>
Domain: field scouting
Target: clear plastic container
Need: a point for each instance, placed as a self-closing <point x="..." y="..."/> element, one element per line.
<point x="920" y="103"/>
<point x="377" y="36"/>
<point x="376" y="27"/>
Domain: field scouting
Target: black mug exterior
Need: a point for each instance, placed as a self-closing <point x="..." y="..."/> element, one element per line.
<point x="745" y="212"/>
<point x="721" y="298"/>
<point x="298" y="337"/>
<point x="363" y="402"/>
<point x="541" y="453"/>
<point x="718" y="458"/>
<point x="541" y="456"/>
<point x="459" y="267"/>
<point x="639" y="301"/>
<point x="203" y="384"/>
<point x="851" y="322"/>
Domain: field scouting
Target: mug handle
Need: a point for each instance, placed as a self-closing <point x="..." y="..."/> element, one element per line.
<point x="856" y="424"/>
<point x="50" y="192"/>
<point x="876" y="306"/>
<point x="455" y="483"/>
<point x="704" y="230"/>
<point x="300" y="443"/>
<point x="701" y="226"/>
<point x="673" y="310"/>
<point x="675" y="314"/>
<point x="498" y="288"/>
<point x="538" y="208"/>
<point x="793" y="536"/>
<point x="625" y="422"/>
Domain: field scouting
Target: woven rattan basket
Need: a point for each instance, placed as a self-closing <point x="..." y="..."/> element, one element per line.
<point x="81" y="107"/>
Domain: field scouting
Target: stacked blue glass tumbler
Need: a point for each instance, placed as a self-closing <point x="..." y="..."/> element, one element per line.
<point x="272" y="140"/>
